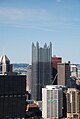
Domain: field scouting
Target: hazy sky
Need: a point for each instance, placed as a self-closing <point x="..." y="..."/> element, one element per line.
<point x="25" y="21"/>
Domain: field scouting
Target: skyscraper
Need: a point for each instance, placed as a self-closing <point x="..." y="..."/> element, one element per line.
<point x="5" y="65"/>
<point x="73" y="103"/>
<point x="12" y="96"/>
<point x="12" y="91"/>
<point x="63" y="73"/>
<point x="74" y="71"/>
<point x="28" y="79"/>
<point x="52" y="102"/>
<point x="55" y="61"/>
<point x="41" y="69"/>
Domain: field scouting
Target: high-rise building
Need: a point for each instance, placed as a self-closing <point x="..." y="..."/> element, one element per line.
<point x="73" y="103"/>
<point x="12" y="96"/>
<point x="52" y="102"/>
<point x="63" y="73"/>
<point x="28" y="79"/>
<point x="41" y="69"/>
<point x="55" y="61"/>
<point x="74" y="71"/>
<point x="12" y="91"/>
<point x="78" y="70"/>
<point x="5" y="65"/>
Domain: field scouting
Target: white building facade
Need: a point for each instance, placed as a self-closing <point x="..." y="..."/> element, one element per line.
<point x="74" y="71"/>
<point x="52" y="102"/>
<point x="28" y="79"/>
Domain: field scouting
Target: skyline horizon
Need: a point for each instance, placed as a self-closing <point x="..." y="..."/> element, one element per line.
<point x="27" y="21"/>
<point x="63" y="61"/>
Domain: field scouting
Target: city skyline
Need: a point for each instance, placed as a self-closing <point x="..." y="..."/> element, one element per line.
<point x="27" y="21"/>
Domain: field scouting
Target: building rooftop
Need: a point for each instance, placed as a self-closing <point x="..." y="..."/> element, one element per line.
<point x="4" y="59"/>
<point x="54" y="86"/>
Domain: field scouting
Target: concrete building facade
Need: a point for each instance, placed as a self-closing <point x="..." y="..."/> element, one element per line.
<point x="63" y="73"/>
<point x="29" y="79"/>
<point x="74" y="71"/>
<point x="73" y="103"/>
<point x="5" y="65"/>
<point x="52" y="102"/>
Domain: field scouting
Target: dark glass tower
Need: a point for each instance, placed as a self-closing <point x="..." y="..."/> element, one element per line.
<point x="41" y="69"/>
<point x="12" y="96"/>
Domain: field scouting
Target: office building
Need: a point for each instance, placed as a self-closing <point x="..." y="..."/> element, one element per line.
<point x="5" y="65"/>
<point x="73" y="103"/>
<point x="12" y="96"/>
<point x="55" y="61"/>
<point x="78" y="68"/>
<point x="52" y="102"/>
<point x="32" y="110"/>
<point x="41" y="69"/>
<point x="63" y="73"/>
<point x="71" y="83"/>
<point x="28" y="79"/>
<point x="74" y="71"/>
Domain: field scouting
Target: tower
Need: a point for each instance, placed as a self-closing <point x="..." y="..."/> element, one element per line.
<point x="5" y="65"/>
<point x="12" y="91"/>
<point x="41" y="69"/>
<point x="73" y="103"/>
<point x="55" y="61"/>
<point x="28" y="79"/>
<point x="63" y="73"/>
<point x="52" y="102"/>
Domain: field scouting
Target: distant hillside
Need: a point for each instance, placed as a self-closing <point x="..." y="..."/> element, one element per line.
<point x="20" y="67"/>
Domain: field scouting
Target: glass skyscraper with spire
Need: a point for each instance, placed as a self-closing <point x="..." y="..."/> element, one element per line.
<point x="41" y="69"/>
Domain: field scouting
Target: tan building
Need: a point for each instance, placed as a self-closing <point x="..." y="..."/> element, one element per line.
<point x="73" y="103"/>
<point x="63" y="73"/>
<point x="5" y="65"/>
<point x="28" y="79"/>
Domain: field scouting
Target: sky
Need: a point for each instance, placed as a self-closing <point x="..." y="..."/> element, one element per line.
<point x="25" y="21"/>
